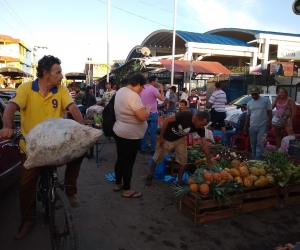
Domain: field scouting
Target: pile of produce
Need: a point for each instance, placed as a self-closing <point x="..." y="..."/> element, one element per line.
<point x="193" y="153"/>
<point x="231" y="174"/>
<point x="214" y="183"/>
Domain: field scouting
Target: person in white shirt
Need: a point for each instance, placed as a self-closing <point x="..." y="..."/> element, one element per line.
<point x="185" y="94"/>
<point x="168" y="86"/>
<point x="218" y="100"/>
<point x="101" y="92"/>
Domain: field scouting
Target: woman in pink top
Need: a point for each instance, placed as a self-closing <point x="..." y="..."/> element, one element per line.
<point x="283" y="104"/>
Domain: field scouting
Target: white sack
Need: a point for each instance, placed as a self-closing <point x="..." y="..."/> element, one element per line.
<point x="94" y="110"/>
<point x="57" y="141"/>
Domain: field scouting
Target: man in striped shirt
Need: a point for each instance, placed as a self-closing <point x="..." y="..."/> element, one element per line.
<point x="218" y="113"/>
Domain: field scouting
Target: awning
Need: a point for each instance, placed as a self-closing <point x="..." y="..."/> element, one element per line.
<point x="200" y="67"/>
<point x="12" y="72"/>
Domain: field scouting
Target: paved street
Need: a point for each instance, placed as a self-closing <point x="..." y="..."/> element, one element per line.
<point x="107" y="221"/>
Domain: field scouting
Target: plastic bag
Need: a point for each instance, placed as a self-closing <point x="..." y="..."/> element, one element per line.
<point x="57" y="141"/>
<point x="285" y="143"/>
<point x="160" y="169"/>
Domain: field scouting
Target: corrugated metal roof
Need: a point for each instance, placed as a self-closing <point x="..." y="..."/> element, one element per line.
<point x="253" y="32"/>
<point x="208" y="38"/>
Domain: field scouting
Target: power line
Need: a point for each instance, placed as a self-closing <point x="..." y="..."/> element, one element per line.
<point x="11" y="26"/>
<point x="19" y="19"/>
<point x="137" y="15"/>
<point x="171" y="12"/>
<point x="16" y="20"/>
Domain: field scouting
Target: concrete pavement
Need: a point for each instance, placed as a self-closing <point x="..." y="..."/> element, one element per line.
<point x="107" y="221"/>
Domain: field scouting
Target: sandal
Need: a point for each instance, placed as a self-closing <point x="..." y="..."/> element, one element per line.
<point x="118" y="189"/>
<point x="133" y="195"/>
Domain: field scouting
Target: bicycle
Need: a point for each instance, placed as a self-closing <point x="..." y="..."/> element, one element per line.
<point x="56" y="207"/>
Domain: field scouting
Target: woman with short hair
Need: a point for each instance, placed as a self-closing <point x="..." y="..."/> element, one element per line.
<point x="129" y="129"/>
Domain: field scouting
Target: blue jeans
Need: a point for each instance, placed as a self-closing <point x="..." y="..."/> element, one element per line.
<point x="194" y="110"/>
<point x="257" y="136"/>
<point x="152" y="126"/>
<point x="229" y="134"/>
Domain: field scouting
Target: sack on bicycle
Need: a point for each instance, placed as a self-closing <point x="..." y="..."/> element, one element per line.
<point x="58" y="141"/>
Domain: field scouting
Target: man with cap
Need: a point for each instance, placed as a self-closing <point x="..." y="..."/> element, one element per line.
<point x="237" y="126"/>
<point x="259" y="116"/>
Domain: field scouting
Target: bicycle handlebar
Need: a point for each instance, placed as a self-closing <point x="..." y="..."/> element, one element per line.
<point x="16" y="137"/>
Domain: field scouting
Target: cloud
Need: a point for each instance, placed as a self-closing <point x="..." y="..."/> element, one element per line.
<point x="223" y="14"/>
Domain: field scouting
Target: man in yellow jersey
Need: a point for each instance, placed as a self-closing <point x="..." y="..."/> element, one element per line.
<point x="37" y="101"/>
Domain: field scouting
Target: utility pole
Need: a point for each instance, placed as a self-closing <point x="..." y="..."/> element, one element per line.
<point x="89" y="71"/>
<point x="34" y="64"/>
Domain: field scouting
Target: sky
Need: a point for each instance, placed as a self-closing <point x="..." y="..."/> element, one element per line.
<point x="74" y="30"/>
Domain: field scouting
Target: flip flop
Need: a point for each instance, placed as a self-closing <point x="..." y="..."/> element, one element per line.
<point x="118" y="189"/>
<point x="132" y="195"/>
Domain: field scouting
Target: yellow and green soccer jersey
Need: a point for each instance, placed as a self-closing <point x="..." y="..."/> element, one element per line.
<point x="35" y="108"/>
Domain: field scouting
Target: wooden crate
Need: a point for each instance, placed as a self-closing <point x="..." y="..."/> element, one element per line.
<point x="201" y="209"/>
<point x="172" y="168"/>
<point x="290" y="195"/>
<point x="258" y="198"/>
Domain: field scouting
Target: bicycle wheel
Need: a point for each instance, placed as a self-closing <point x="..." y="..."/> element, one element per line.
<point x="62" y="224"/>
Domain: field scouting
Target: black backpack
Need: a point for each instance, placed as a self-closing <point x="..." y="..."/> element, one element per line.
<point x="109" y="118"/>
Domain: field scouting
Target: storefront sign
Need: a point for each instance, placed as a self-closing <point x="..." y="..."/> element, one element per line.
<point x="166" y="75"/>
<point x="282" y="68"/>
<point x="99" y="70"/>
<point x="288" y="52"/>
<point x="201" y="76"/>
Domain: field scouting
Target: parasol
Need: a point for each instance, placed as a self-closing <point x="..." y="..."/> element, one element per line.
<point x="12" y="72"/>
<point x="75" y="76"/>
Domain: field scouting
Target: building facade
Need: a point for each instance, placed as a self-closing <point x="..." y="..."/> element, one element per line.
<point x="15" y="53"/>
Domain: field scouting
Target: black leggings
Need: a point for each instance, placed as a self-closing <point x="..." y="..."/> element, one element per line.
<point x="127" y="151"/>
<point x="217" y="117"/>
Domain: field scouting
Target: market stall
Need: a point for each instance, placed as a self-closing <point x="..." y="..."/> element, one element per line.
<point x="235" y="184"/>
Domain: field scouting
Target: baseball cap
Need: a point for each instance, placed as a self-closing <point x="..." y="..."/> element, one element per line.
<point x="254" y="90"/>
<point x="168" y="86"/>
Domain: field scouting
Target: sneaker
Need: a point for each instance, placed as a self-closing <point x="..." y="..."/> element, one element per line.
<point x="25" y="229"/>
<point x="149" y="180"/>
<point x="152" y="153"/>
<point x="142" y="152"/>
<point x="74" y="202"/>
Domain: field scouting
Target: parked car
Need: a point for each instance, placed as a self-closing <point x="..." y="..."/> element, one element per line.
<point x="10" y="167"/>
<point x="5" y="96"/>
<point x="233" y="110"/>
